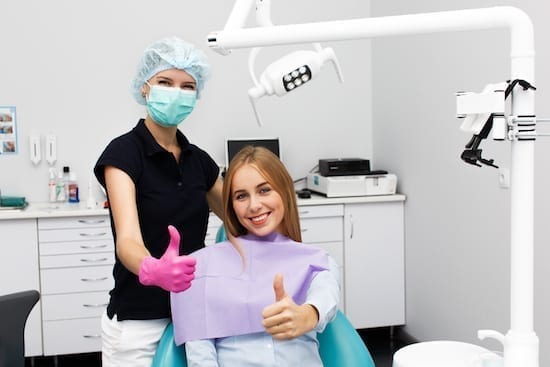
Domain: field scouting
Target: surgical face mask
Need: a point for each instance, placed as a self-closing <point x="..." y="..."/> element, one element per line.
<point x="169" y="106"/>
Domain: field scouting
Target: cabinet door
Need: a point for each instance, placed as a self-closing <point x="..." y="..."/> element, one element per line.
<point x="19" y="272"/>
<point x="374" y="264"/>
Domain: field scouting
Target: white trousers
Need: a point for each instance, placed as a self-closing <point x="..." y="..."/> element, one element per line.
<point x="130" y="342"/>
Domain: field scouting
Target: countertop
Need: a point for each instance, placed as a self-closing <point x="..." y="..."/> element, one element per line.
<point x="58" y="210"/>
<point x="51" y="210"/>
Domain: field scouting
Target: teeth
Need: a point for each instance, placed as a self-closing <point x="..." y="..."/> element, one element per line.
<point x="259" y="218"/>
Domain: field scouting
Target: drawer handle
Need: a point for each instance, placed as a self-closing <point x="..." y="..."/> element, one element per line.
<point x="87" y="247"/>
<point x="95" y="306"/>
<point x="303" y="212"/>
<point x="94" y="280"/>
<point x="304" y="230"/>
<point x="88" y="221"/>
<point x="94" y="260"/>
<point x="93" y="234"/>
<point x="96" y="336"/>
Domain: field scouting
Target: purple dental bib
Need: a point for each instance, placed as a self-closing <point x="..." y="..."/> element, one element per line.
<point x="227" y="298"/>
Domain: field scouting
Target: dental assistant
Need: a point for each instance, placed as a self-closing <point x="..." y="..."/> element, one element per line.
<point x="160" y="188"/>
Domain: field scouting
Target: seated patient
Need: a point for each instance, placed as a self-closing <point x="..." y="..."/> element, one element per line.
<point x="260" y="298"/>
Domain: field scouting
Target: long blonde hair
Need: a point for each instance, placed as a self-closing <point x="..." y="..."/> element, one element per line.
<point x="275" y="173"/>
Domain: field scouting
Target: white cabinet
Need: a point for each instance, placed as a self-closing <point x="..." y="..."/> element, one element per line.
<point x="322" y="226"/>
<point x="19" y="272"/>
<point x="374" y="264"/>
<point x="76" y="260"/>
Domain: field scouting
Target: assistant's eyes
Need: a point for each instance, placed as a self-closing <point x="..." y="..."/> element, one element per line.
<point x="189" y="86"/>
<point x="170" y="84"/>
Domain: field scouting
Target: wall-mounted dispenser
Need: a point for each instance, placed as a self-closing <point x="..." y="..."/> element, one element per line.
<point x="35" y="153"/>
<point x="51" y="149"/>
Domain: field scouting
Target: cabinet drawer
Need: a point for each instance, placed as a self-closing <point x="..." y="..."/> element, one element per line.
<point x="77" y="260"/>
<point x="74" y="305"/>
<point x="328" y="229"/>
<point x="74" y="222"/>
<point x="69" y="280"/>
<point x="315" y="211"/>
<point x="74" y="234"/>
<point x="76" y="247"/>
<point x="72" y="336"/>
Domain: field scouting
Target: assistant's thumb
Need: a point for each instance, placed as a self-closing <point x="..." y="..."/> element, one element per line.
<point x="279" y="287"/>
<point x="173" y="248"/>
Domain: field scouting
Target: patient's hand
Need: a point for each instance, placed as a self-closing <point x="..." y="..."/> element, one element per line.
<point x="284" y="319"/>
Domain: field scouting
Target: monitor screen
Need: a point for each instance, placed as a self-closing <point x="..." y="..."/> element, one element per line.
<point x="233" y="146"/>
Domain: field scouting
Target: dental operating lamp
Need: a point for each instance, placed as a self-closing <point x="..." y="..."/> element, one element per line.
<point x="520" y="344"/>
<point x="287" y="73"/>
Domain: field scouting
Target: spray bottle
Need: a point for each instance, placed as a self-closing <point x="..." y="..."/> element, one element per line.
<point x="52" y="195"/>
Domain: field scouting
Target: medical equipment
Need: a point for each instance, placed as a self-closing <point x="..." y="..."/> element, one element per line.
<point x="288" y="72"/>
<point x="521" y="346"/>
<point x="344" y="166"/>
<point x="485" y="111"/>
<point x="358" y="185"/>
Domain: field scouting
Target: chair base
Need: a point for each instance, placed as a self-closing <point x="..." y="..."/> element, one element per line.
<point x="440" y="354"/>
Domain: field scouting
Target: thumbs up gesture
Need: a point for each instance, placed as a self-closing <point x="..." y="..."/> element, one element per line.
<point x="284" y="319"/>
<point x="171" y="272"/>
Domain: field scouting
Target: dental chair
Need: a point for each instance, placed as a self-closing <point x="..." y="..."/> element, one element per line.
<point x="14" y="311"/>
<point x="339" y="344"/>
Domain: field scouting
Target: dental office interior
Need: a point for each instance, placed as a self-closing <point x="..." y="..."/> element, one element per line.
<point x="66" y="67"/>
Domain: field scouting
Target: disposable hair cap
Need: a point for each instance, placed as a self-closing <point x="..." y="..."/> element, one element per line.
<point x="170" y="53"/>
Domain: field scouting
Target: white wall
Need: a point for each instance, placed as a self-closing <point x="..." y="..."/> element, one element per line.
<point x="67" y="67"/>
<point x="457" y="217"/>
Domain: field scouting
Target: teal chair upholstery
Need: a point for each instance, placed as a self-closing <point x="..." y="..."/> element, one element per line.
<point x="339" y="344"/>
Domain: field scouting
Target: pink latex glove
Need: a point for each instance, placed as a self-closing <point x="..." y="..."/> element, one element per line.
<point x="171" y="272"/>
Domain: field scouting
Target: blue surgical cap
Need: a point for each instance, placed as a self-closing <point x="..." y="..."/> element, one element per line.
<point x="170" y="53"/>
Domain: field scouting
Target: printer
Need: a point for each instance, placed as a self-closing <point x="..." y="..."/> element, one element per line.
<point x="342" y="177"/>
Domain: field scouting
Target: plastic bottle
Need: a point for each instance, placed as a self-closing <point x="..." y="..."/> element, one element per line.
<point x="60" y="188"/>
<point x="52" y="195"/>
<point x="73" y="189"/>
<point x="66" y="179"/>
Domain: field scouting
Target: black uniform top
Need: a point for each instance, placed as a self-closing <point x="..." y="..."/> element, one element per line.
<point x="166" y="193"/>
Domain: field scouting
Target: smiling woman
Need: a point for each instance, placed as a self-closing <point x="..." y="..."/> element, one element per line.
<point x="236" y="281"/>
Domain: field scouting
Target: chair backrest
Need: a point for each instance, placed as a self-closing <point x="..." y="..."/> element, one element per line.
<point x="341" y="345"/>
<point x="14" y="311"/>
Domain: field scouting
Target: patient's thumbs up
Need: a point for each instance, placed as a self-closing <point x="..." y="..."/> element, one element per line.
<point x="279" y="287"/>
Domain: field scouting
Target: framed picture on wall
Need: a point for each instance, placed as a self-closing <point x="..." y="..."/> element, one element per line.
<point x="8" y="130"/>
